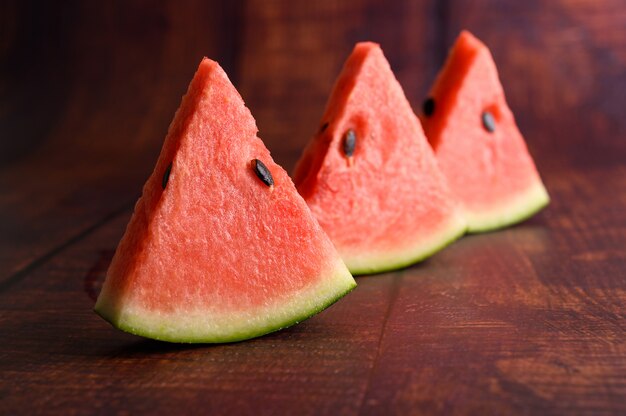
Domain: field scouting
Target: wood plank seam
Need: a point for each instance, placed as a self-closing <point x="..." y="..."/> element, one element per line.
<point x="40" y="261"/>
<point x="394" y="291"/>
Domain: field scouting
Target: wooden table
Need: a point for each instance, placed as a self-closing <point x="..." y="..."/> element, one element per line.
<point x="527" y="320"/>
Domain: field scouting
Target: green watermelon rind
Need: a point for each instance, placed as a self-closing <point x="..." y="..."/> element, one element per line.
<point x="147" y="328"/>
<point x="442" y="239"/>
<point x="520" y="208"/>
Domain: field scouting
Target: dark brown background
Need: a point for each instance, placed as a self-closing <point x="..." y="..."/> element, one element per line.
<point x="526" y="320"/>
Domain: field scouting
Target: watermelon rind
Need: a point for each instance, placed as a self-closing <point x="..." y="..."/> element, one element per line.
<point x="231" y="326"/>
<point x="517" y="209"/>
<point x="424" y="248"/>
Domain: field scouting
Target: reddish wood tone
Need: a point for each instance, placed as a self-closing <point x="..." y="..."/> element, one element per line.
<point x="529" y="320"/>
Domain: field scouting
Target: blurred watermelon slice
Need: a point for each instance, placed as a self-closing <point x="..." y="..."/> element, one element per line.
<point x="477" y="143"/>
<point x="369" y="175"/>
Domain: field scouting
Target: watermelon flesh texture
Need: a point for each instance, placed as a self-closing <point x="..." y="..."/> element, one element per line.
<point x="388" y="205"/>
<point x="217" y="255"/>
<point x="491" y="173"/>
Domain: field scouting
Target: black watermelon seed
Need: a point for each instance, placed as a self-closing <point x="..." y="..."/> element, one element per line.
<point x="166" y="176"/>
<point x="324" y="127"/>
<point x="263" y="172"/>
<point x="349" y="142"/>
<point x="429" y="106"/>
<point x="489" y="123"/>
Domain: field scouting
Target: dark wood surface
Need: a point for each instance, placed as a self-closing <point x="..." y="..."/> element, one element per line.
<point x="529" y="320"/>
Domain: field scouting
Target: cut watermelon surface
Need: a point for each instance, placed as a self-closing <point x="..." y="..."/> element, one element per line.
<point x="220" y="246"/>
<point x="477" y="143"/>
<point x="369" y="175"/>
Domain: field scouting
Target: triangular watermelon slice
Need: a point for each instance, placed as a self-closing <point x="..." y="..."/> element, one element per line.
<point x="369" y="175"/>
<point x="220" y="247"/>
<point x="477" y="142"/>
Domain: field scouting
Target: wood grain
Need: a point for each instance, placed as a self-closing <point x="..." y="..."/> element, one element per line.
<point x="529" y="320"/>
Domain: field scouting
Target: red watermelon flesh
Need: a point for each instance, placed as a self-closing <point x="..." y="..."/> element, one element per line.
<point x="212" y="253"/>
<point x="386" y="205"/>
<point x="491" y="172"/>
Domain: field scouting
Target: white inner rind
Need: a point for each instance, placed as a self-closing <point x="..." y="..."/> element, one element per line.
<point x="511" y="211"/>
<point x="421" y="248"/>
<point x="227" y="326"/>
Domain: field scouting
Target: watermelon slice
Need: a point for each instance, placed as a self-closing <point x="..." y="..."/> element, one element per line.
<point x="369" y="175"/>
<point x="477" y="143"/>
<point x="220" y="246"/>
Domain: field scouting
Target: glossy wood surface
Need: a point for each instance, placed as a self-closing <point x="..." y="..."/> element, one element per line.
<point x="528" y="320"/>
